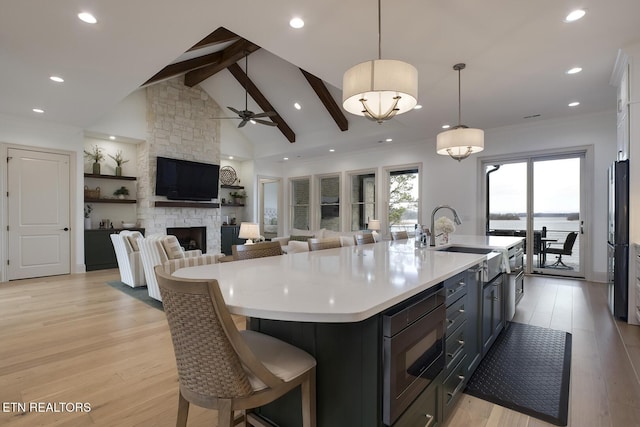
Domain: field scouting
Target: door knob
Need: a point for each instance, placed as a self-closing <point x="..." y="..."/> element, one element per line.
<point x="65" y="229"/>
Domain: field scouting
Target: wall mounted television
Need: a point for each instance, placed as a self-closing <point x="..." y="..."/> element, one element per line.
<point x="186" y="180"/>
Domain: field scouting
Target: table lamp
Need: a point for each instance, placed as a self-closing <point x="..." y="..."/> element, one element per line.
<point x="249" y="231"/>
<point x="374" y="226"/>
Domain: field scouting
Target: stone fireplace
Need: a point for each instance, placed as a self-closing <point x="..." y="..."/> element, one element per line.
<point x="179" y="126"/>
<point x="190" y="238"/>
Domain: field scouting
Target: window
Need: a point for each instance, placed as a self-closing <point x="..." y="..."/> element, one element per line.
<point x="330" y="202"/>
<point x="300" y="197"/>
<point x="363" y="200"/>
<point x="404" y="199"/>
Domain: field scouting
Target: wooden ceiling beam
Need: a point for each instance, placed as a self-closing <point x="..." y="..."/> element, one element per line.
<point x="185" y="66"/>
<point x="220" y="35"/>
<point x="230" y="55"/>
<point x="261" y="100"/>
<point x="327" y="100"/>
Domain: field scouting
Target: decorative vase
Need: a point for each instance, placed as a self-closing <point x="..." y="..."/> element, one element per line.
<point x="442" y="239"/>
<point x="120" y="196"/>
<point x="96" y="168"/>
<point x="118" y="170"/>
<point x="87" y="223"/>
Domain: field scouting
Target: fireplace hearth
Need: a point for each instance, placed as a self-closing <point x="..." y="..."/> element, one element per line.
<point x="190" y="238"/>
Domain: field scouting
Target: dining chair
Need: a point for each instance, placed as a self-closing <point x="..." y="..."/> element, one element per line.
<point x="399" y="235"/>
<point x="327" y="243"/>
<point x="223" y="368"/>
<point x="364" y="238"/>
<point x="257" y="250"/>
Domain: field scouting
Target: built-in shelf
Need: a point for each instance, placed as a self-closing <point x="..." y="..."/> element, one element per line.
<point x="233" y="187"/>
<point x="170" y="204"/>
<point x="125" y="201"/>
<point x="122" y="178"/>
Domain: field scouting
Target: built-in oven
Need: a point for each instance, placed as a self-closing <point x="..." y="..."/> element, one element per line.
<point x="413" y="349"/>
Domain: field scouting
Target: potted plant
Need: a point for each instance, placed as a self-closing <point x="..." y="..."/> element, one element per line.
<point x="97" y="156"/>
<point x="87" y="216"/>
<point x="121" y="192"/>
<point x="119" y="162"/>
<point x="238" y="196"/>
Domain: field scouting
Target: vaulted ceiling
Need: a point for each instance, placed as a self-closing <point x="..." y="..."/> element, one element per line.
<point x="516" y="54"/>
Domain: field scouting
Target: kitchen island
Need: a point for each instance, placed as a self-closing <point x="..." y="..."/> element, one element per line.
<point x="330" y="303"/>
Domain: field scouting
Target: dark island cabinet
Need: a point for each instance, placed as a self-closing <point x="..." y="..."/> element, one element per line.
<point x="98" y="248"/>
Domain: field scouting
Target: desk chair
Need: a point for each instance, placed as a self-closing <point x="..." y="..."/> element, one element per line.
<point x="566" y="249"/>
<point x="222" y="368"/>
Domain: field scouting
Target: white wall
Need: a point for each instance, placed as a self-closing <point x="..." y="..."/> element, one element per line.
<point x="445" y="181"/>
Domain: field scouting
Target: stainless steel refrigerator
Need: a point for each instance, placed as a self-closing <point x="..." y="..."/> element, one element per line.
<point x="618" y="239"/>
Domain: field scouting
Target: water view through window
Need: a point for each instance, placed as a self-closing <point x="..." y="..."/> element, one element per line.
<point x="555" y="207"/>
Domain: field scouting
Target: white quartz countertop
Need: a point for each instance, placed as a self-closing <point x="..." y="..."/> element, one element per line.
<point x="489" y="242"/>
<point x="346" y="284"/>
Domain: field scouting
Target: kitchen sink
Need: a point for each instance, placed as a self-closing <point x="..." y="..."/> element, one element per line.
<point x="465" y="250"/>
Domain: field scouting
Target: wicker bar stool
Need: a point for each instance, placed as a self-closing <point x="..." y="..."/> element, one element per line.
<point x="364" y="238"/>
<point x="328" y="243"/>
<point x="257" y="250"/>
<point x="222" y="368"/>
<point x="399" y="235"/>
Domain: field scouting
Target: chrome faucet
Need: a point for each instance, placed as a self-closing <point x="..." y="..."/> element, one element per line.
<point x="456" y="219"/>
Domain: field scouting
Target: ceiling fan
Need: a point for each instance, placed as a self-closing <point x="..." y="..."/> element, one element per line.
<point x="246" y="115"/>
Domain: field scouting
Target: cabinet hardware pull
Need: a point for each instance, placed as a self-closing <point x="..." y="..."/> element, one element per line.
<point x="451" y="291"/>
<point x="430" y="418"/>
<point x="496" y="299"/>
<point x="457" y="352"/>
<point x="458" y="387"/>
<point x="461" y="310"/>
<point x="461" y="342"/>
<point x="451" y="321"/>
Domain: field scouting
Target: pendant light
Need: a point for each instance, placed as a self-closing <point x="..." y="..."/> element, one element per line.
<point x="381" y="88"/>
<point x="460" y="141"/>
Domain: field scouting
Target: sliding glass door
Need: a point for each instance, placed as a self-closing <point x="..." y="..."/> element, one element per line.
<point x="540" y="197"/>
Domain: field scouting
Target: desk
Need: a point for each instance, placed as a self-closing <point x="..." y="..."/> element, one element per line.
<point x="542" y="257"/>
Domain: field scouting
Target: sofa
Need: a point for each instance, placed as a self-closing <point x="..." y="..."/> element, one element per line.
<point x="295" y="234"/>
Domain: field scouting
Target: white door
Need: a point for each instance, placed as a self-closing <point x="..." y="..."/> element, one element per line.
<point x="38" y="208"/>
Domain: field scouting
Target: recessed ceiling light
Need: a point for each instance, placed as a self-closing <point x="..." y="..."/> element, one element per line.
<point x="38" y="110"/>
<point x="446" y="126"/>
<point x="230" y="157"/>
<point x="298" y="106"/>
<point x="56" y="79"/>
<point x="253" y="122"/>
<point x="574" y="104"/>
<point x="112" y="137"/>
<point x="296" y="22"/>
<point x="331" y="150"/>
<point x="575" y="15"/>
<point x="87" y="17"/>
<point x="574" y="70"/>
<point x="285" y="158"/>
<point x="388" y="140"/>
<point x="417" y="107"/>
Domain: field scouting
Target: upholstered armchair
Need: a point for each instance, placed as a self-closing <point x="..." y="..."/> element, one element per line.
<point x="125" y="245"/>
<point x="160" y="249"/>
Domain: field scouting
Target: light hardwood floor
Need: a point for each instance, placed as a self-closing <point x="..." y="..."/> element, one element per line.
<point x="74" y="339"/>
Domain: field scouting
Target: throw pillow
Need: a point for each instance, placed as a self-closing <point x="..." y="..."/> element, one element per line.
<point x="172" y="247"/>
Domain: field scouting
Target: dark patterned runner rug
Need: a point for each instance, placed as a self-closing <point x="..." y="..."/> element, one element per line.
<point x="527" y="370"/>
<point x="141" y="293"/>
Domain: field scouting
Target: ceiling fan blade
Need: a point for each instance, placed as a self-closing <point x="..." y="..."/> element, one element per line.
<point x="234" y="110"/>
<point x="242" y="123"/>
<point x="266" y="114"/>
<point x="221" y="118"/>
<point x="264" y="122"/>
